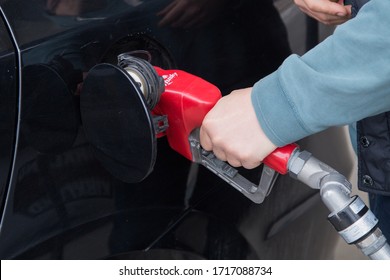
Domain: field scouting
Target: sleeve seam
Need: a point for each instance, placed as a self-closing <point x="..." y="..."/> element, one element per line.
<point x="293" y="107"/>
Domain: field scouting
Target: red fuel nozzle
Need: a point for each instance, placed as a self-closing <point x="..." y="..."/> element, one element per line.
<point x="186" y="101"/>
<point x="278" y="159"/>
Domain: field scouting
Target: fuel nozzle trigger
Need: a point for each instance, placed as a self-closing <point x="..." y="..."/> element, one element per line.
<point x="256" y="193"/>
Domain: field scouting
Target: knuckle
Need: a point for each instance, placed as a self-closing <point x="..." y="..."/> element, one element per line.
<point x="250" y="165"/>
<point x="234" y="163"/>
<point x="220" y="155"/>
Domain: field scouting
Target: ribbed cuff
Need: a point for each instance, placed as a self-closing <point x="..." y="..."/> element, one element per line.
<point x="276" y="114"/>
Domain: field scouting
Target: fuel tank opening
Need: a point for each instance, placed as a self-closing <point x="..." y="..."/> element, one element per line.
<point x="145" y="76"/>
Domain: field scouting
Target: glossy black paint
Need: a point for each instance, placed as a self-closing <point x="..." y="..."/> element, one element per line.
<point x="49" y="114"/>
<point x="8" y="107"/>
<point x="63" y="203"/>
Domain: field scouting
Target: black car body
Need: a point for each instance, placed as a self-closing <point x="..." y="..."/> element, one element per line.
<point x="59" y="201"/>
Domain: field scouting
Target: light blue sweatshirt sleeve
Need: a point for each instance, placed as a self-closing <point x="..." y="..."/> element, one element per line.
<point x="342" y="80"/>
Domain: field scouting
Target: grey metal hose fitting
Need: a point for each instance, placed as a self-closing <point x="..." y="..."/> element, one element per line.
<point x="352" y="219"/>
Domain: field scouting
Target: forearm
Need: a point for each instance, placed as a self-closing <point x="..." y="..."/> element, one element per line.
<point x="342" y="80"/>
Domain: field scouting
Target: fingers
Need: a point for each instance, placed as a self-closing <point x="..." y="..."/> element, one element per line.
<point x="325" y="11"/>
<point x="205" y="139"/>
<point x="230" y="156"/>
<point x="322" y="6"/>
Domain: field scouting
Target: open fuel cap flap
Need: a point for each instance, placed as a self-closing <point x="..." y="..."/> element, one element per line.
<point x="118" y="123"/>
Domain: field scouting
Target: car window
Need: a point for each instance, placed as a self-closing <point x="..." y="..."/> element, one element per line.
<point x="35" y="19"/>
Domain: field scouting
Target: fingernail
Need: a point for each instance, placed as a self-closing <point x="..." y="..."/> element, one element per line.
<point x="341" y="14"/>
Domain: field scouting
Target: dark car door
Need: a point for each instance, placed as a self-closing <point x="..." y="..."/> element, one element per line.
<point x="9" y="78"/>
